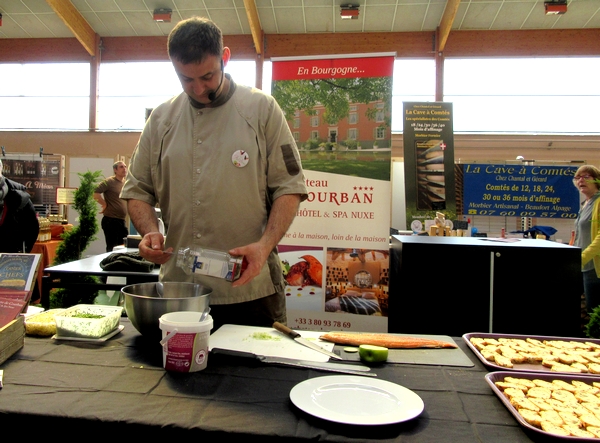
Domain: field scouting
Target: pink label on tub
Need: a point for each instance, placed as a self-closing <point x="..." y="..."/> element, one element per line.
<point x="187" y="352"/>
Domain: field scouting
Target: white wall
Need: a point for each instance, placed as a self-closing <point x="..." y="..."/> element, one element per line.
<point x="82" y="165"/>
<point x="398" y="199"/>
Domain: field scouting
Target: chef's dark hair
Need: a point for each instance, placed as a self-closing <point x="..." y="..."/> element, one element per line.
<point x="193" y="39"/>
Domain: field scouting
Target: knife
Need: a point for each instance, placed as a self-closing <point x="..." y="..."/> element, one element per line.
<point x="319" y="366"/>
<point x="298" y="339"/>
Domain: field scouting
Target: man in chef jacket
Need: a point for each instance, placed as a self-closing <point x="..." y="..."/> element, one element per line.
<point x="220" y="161"/>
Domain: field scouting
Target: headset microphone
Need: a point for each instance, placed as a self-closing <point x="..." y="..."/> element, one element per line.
<point x="213" y="95"/>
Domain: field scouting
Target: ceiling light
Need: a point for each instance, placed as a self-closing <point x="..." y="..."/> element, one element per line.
<point x="162" y="15"/>
<point x="349" y="12"/>
<point x="555" y="7"/>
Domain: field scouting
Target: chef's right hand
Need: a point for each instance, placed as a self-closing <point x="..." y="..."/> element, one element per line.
<point x="151" y="248"/>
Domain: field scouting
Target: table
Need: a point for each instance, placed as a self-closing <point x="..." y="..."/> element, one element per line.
<point x="501" y="282"/>
<point x="61" y="276"/>
<point x="47" y="250"/>
<point x="120" y="385"/>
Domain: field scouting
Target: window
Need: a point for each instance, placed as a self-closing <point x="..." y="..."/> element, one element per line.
<point x="45" y="96"/>
<point x="414" y="81"/>
<point x="379" y="133"/>
<point x="296" y="122"/>
<point x="524" y="95"/>
<point x="296" y="135"/>
<point x="127" y="89"/>
<point x="380" y="115"/>
<point x="59" y="99"/>
<point x="352" y="134"/>
<point x="314" y="135"/>
<point x="333" y="135"/>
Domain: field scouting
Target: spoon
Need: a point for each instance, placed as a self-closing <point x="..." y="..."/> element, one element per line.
<point x="160" y="289"/>
<point x="204" y="314"/>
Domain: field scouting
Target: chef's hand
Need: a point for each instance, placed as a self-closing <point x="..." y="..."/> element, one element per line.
<point x="256" y="255"/>
<point x="151" y="248"/>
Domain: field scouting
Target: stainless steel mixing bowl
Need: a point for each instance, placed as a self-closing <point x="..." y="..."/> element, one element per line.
<point x="146" y="302"/>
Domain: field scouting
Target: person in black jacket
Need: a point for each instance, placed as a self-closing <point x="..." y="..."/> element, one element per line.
<point x="19" y="225"/>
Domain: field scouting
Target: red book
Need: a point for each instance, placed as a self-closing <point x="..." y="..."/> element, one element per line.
<point x="17" y="279"/>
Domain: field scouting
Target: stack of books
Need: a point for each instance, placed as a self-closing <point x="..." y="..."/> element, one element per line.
<point x="17" y="280"/>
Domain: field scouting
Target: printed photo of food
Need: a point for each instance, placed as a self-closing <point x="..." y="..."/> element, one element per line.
<point x="302" y="269"/>
<point x="357" y="281"/>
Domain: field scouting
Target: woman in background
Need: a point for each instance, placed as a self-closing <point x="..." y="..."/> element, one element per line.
<point x="19" y="226"/>
<point x="587" y="232"/>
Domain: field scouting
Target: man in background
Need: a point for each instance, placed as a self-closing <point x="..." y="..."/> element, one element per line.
<point x="113" y="208"/>
<point x="19" y="225"/>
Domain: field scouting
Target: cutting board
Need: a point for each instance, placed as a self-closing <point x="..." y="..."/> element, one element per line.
<point x="424" y="356"/>
<point x="268" y="342"/>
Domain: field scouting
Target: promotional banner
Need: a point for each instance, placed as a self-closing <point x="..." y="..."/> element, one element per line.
<point x="428" y="163"/>
<point x="335" y="256"/>
<point x="41" y="177"/>
<point x="519" y="191"/>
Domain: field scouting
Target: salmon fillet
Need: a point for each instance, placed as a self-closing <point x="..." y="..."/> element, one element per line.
<point x="386" y="340"/>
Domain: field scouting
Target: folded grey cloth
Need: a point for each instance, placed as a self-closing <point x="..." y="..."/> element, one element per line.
<point x="126" y="261"/>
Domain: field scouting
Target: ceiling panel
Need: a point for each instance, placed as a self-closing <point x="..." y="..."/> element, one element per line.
<point x="511" y="16"/>
<point x="115" y="18"/>
<point x="410" y="18"/>
<point x="117" y="24"/>
<point x="229" y="21"/>
<point x="35" y="27"/>
<point x="479" y="16"/>
<point x="433" y="16"/>
<point x="54" y="24"/>
<point x="380" y="18"/>
<point x="292" y="21"/>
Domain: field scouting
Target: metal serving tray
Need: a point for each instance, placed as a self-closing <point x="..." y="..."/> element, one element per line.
<point x="529" y="367"/>
<point x="492" y="377"/>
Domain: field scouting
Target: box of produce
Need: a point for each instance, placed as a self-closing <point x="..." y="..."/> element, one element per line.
<point x="42" y="324"/>
<point x="561" y="405"/>
<point x="88" y="321"/>
<point x="12" y="338"/>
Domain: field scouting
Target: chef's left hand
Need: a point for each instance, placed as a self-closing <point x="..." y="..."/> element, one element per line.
<point x="256" y="255"/>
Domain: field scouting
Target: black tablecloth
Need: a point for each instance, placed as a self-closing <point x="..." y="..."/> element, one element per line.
<point x="120" y="385"/>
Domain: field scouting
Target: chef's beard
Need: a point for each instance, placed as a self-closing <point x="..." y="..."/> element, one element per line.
<point x="219" y="100"/>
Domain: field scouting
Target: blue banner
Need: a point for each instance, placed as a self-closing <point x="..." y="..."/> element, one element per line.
<point x="519" y="191"/>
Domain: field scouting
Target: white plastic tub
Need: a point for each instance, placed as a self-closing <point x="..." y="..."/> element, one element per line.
<point x="76" y="321"/>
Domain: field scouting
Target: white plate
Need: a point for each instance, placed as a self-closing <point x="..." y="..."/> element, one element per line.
<point x="104" y="338"/>
<point x="356" y="400"/>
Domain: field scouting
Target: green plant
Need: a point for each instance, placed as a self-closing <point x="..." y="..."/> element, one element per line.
<point x="592" y="329"/>
<point x="311" y="144"/>
<point x="76" y="241"/>
<point x="351" y="144"/>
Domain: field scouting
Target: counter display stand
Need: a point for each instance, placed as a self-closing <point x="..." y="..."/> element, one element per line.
<point x="457" y="285"/>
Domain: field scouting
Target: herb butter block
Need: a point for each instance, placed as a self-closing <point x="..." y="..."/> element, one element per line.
<point x="88" y="321"/>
